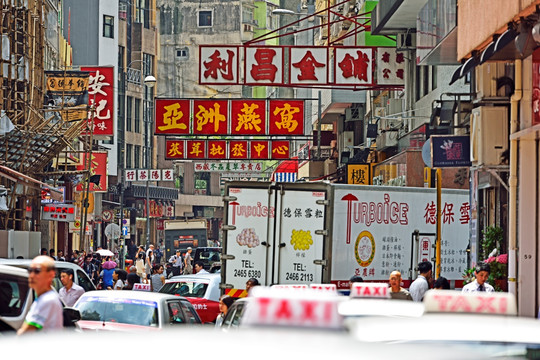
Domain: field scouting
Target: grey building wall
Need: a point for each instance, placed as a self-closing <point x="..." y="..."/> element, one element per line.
<point x="84" y="30"/>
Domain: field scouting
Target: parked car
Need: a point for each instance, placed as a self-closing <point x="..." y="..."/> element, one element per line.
<point x="16" y="297"/>
<point x="80" y="278"/>
<point x="210" y="257"/>
<point x="202" y="291"/>
<point x="118" y="310"/>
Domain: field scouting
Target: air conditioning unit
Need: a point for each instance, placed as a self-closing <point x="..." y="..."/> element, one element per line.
<point x="386" y="140"/>
<point x="394" y="106"/>
<point x="486" y="79"/>
<point x="405" y="41"/>
<point x="389" y="124"/>
<point x="489" y="134"/>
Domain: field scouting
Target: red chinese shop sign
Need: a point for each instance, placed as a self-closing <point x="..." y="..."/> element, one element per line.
<point x="536" y="87"/>
<point x="101" y="96"/>
<point x="228" y="117"/>
<point x="227" y="149"/>
<point x="307" y="66"/>
<point x="98" y="166"/>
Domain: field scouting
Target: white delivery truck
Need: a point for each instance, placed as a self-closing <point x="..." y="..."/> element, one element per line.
<point x="301" y="233"/>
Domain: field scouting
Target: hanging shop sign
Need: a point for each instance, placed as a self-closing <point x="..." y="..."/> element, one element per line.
<point x="58" y="212"/>
<point x="98" y="171"/>
<point x="227" y="149"/>
<point x="67" y="89"/>
<point x="149" y="175"/>
<point x="188" y="117"/>
<point x="450" y="151"/>
<point x="101" y="97"/>
<point x="231" y="166"/>
<point x="307" y="66"/>
<point x="358" y="174"/>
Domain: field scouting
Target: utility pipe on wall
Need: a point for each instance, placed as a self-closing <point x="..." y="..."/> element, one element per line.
<point x="512" y="181"/>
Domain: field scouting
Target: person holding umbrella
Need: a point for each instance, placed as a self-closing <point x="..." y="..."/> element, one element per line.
<point x="107" y="273"/>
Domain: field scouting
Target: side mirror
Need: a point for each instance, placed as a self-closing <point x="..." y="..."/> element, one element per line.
<point x="71" y="316"/>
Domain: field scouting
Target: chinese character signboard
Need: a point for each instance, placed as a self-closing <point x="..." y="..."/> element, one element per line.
<point x="231" y="166"/>
<point x="354" y="66"/>
<point x="307" y="66"/>
<point x="185" y="117"/>
<point x="264" y="65"/>
<point x="101" y="96"/>
<point x="98" y="166"/>
<point x="226" y="150"/>
<point x="149" y="175"/>
<point x="450" y="151"/>
<point x="172" y="116"/>
<point x="219" y="65"/>
<point x="58" y="212"/>
<point x="358" y="174"/>
<point x="390" y="67"/>
<point x="174" y="149"/>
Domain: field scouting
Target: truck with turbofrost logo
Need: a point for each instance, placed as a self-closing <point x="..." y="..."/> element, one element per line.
<point x="302" y="233"/>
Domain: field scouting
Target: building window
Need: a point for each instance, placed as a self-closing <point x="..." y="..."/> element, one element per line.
<point x="122" y="10"/>
<point x="205" y="18"/>
<point x="142" y="13"/>
<point x="182" y="53"/>
<point x="137" y="157"/>
<point x="148" y="64"/>
<point x="129" y="156"/>
<point x="129" y="114"/>
<point x="433" y="77"/>
<point x="138" y="116"/>
<point x="108" y="26"/>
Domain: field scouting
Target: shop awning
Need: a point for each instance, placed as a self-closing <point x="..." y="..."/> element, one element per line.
<point x="287" y="171"/>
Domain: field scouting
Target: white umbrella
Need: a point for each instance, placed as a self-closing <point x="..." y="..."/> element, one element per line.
<point x="105" y="252"/>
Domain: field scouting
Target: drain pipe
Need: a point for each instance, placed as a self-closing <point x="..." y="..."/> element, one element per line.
<point x="513" y="181"/>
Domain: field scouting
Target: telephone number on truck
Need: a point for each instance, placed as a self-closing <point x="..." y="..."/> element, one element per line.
<point x="247" y="273"/>
<point x="298" y="277"/>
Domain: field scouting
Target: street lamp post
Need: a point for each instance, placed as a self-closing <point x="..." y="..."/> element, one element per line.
<point x="149" y="81"/>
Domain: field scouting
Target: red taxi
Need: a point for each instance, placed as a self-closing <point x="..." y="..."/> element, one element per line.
<point x="202" y="291"/>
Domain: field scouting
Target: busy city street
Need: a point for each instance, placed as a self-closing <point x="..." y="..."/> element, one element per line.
<point x="314" y="178"/>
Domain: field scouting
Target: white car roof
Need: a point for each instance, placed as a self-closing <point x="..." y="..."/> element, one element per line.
<point x="26" y="263"/>
<point x="129" y="294"/>
<point x="208" y="277"/>
<point x="12" y="270"/>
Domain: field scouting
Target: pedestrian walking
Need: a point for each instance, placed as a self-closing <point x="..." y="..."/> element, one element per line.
<point x="157" y="279"/>
<point x="396" y="291"/>
<point x="177" y="263"/>
<point x="46" y="310"/>
<point x="441" y="283"/>
<point x="225" y="302"/>
<point x="480" y="283"/>
<point x="120" y="279"/>
<point x="419" y="286"/>
<point x="70" y="292"/>
<point x="188" y="268"/>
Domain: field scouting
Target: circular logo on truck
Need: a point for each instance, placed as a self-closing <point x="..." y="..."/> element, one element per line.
<point x="364" y="248"/>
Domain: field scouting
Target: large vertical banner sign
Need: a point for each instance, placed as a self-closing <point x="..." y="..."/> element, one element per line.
<point x="98" y="166"/>
<point x="308" y="66"/>
<point x="536" y="87"/>
<point x="264" y="65"/>
<point x="354" y="66"/>
<point x="286" y="117"/>
<point x="219" y="65"/>
<point x="101" y="96"/>
<point x="172" y="117"/>
<point x="390" y="67"/>
<point x="210" y="117"/>
<point x="248" y="117"/>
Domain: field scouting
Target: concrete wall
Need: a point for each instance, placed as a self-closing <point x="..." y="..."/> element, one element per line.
<point x="85" y="30"/>
<point x="475" y="30"/>
<point x="178" y="29"/>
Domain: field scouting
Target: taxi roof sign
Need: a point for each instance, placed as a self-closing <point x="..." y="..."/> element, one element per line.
<point x="290" y="286"/>
<point x="370" y="290"/>
<point x="445" y="301"/>
<point x="323" y="287"/>
<point x="283" y="307"/>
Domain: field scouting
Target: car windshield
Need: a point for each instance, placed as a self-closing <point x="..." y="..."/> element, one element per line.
<point x="13" y="294"/>
<point x="185" y="288"/>
<point x="124" y="311"/>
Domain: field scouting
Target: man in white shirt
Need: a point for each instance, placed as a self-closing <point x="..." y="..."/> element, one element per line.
<point x="479" y="284"/>
<point x="46" y="311"/>
<point x="177" y="263"/>
<point x="71" y="292"/>
<point x="421" y="284"/>
<point x="199" y="268"/>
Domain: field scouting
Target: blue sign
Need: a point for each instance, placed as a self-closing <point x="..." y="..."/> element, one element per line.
<point x="450" y="151"/>
<point x="125" y="230"/>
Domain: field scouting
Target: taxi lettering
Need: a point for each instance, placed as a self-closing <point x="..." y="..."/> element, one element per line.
<point x="474" y="304"/>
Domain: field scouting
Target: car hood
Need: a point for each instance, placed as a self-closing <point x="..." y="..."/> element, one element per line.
<point x="87" y="325"/>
